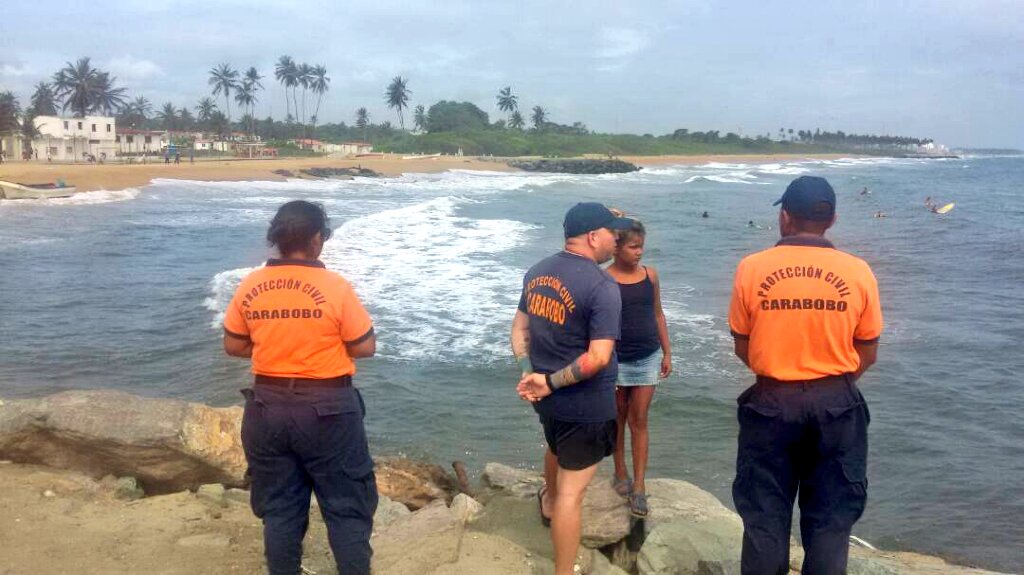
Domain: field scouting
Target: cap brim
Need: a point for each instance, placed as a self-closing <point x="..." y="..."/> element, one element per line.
<point x="620" y="224"/>
<point x="777" y="202"/>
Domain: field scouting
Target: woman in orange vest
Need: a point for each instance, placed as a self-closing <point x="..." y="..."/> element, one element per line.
<point x="302" y="430"/>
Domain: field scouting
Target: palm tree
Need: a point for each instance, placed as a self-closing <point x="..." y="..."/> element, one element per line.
<point x="168" y="116"/>
<point x="205" y="109"/>
<point x="245" y="99"/>
<point x="251" y="84"/>
<point x="539" y="117"/>
<point x="85" y="89"/>
<point x="397" y="96"/>
<point x="224" y="78"/>
<point x="108" y="98"/>
<point x="284" y="72"/>
<point x="507" y="102"/>
<point x="44" y="101"/>
<point x="136" y="112"/>
<point x="185" y="118"/>
<point x="516" y="121"/>
<point x="304" y="75"/>
<point x="10" y="109"/>
<point x="320" y="84"/>
<point x="419" y="118"/>
<point x="362" y="120"/>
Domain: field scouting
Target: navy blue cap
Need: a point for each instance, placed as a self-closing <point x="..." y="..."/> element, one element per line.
<point x="805" y="198"/>
<point x="589" y="216"/>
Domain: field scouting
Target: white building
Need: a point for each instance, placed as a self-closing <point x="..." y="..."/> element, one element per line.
<point x="132" y="142"/>
<point x="75" y="139"/>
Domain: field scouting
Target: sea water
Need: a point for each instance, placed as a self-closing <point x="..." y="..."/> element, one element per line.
<point x="126" y="290"/>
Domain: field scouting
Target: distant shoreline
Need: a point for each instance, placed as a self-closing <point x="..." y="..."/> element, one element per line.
<point x="110" y="177"/>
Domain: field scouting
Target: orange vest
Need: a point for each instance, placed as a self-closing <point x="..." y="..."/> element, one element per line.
<point x="299" y="316"/>
<point x="803" y="304"/>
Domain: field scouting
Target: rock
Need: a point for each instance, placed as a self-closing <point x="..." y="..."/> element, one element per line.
<point x="671" y="499"/>
<point x="418" y="543"/>
<point x="340" y="173"/>
<point x="606" y="517"/>
<point x="866" y="566"/>
<point x="211" y="493"/>
<point x="486" y="554"/>
<point x="235" y="495"/>
<point x="516" y="482"/>
<point x="593" y="562"/>
<point x="127" y="488"/>
<point x="466" y="507"/>
<point x="684" y="547"/>
<point x="209" y="540"/>
<point x="167" y="445"/>
<point x="283" y="173"/>
<point x="575" y="166"/>
<point x="413" y="483"/>
<point x="388" y="512"/>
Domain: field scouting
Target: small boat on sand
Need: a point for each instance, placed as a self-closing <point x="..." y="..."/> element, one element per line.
<point x="15" y="191"/>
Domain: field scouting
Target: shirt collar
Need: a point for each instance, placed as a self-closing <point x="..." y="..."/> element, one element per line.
<point x="295" y="262"/>
<point x="806" y="241"/>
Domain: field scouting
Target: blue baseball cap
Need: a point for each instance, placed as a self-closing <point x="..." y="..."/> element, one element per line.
<point x="589" y="216"/>
<point x="806" y="196"/>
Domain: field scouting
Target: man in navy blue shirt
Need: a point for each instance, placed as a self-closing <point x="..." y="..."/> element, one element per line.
<point x="563" y="337"/>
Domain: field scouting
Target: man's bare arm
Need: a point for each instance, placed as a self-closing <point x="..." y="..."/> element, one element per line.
<point x="597" y="356"/>
<point x="237" y="345"/>
<point x="868" y="353"/>
<point x="742" y="348"/>
<point x="521" y="342"/>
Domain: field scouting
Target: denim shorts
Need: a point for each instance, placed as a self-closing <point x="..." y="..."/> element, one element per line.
<point x="641" y="372"/>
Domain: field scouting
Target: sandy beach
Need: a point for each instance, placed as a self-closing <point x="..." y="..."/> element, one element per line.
<point x="90" y="177"/>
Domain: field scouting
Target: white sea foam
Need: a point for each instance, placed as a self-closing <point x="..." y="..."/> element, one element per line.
<point x="434" y="279"/>
<point x="222" y="289"/>
<point x="727" y="178"/>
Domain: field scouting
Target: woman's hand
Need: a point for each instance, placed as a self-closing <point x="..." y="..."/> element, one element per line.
<point x="666" y="365"/>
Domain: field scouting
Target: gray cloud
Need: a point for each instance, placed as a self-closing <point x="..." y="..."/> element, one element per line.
<point x="946" y="69"/>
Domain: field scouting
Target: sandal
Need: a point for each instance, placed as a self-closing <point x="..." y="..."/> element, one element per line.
<point x="638" y="504"/>
<point x="622" y="486"/>
<point x="545" y="521"/>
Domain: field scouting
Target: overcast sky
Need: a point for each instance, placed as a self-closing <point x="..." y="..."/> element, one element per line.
<point x="950" y="70"/>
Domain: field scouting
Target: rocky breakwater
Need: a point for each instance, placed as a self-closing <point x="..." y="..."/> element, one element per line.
<point x="166" y="445"/>
<point x="575" y="166"/>
<point x="423" y="525"/>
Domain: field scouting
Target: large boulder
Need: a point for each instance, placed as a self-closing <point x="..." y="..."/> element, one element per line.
<point x="688" y="531"/>
<point x="684" y="547"/>
<point x="168" y="445"/>
<point x="419" y="543"/>
<point x="512" y="481"/>
<point x="671" y="499"/>
<point x="413" y="483"/>
<point x="606" y="517"/>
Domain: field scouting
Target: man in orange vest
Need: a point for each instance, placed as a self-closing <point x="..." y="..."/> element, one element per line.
<point x="806" y="319"/>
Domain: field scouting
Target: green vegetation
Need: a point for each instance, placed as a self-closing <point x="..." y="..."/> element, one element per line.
<point x="447" y="126"/>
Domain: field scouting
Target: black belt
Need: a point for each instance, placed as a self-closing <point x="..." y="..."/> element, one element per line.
<point x="293" y="382"/>
<point x="827" y="379"/>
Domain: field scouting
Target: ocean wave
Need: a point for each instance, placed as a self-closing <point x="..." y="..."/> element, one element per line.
<point x="222" y="289"/>
<point x="433" y="279"/>
<point x="727" y="178"/>
<point x="81" y="198"/>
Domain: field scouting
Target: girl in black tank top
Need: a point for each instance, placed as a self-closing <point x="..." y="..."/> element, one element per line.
<point x="644" y="331"/>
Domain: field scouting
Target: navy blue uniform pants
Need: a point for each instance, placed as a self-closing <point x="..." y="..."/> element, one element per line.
<point x="809" y="439"/>
<point x="310" y="440"/>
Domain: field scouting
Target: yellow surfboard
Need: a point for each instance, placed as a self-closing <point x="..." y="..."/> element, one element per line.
<point x="945" y="209"/>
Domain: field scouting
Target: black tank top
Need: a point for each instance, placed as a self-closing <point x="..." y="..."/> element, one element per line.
<point x="639" y="334"/>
